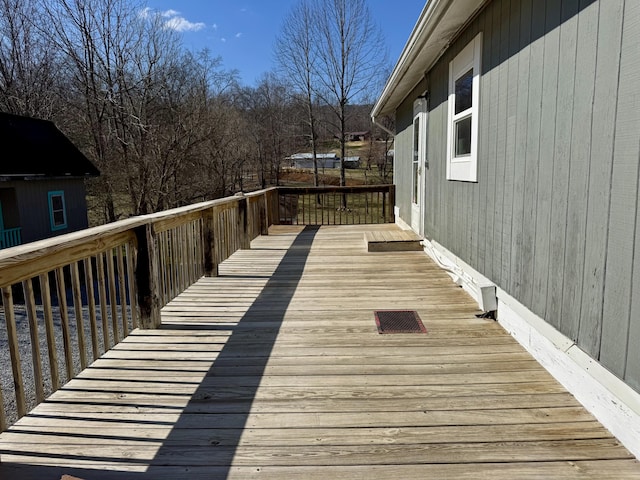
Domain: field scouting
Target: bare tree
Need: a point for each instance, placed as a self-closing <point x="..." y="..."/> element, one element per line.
<point x="295" y="53"/>
<point x="268" y="108"/>
<point x="350" y="58"/>
<point x="142" y="99"/>
<point x="28" y="69"/>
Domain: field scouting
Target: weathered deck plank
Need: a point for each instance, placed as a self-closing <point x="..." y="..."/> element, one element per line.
<point x="275" y="370"/>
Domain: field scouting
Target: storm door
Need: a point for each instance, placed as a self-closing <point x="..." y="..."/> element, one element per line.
<point x="418" y="165"/>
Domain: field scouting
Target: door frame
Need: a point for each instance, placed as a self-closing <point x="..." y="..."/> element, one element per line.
<point x="419" y="163"/>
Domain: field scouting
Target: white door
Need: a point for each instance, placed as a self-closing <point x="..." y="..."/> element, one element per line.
<point x="418" y="164"/>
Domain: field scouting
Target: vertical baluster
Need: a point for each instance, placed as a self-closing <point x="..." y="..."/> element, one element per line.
<point x="3" y="420"/>
<point x="32" y="317"/>
<point x="91" y="305"/>
<point x="229" y="230"/>
<point x="102" y="296"/>
<point x="113" y="301"/>
<point x="209" y="248"/>
<point x="64" y="322"/>
<point x="123" y="293"/>
<point x="77" y="308"/>
<point x="14" y="350"/>
<point x="166" y="267"/>
<point x="189" y="254"/>
<point x="175" y="259"/>
<point x="183" y="260"/>
<point x="335" y="209"/>
<point x="45" y="292"/>
<point x="198" y="253"/>
<point x="132" y="284"/>
<point x="384" y="207"/>
<point x="167" y="263"/>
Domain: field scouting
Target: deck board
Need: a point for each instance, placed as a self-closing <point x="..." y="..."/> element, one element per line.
<point x="275" y="370"/>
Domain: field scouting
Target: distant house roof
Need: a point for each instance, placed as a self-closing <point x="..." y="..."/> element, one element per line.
<point x="36" y="148"/>
<point x="307" y="156"/>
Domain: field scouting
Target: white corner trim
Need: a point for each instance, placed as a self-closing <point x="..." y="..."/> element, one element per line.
<point x="399" y="221"/>
<point x="606" y="397"/>
<point x="481" y="289"/>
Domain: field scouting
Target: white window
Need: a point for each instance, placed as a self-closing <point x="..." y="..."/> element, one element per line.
<point x="464" y="100"/>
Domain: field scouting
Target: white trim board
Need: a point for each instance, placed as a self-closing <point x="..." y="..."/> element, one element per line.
<point x="481" y="289"/>
<point x="605" y="396"/>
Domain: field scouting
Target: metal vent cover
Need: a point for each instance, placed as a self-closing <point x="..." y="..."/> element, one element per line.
<point x="399" y="321"/>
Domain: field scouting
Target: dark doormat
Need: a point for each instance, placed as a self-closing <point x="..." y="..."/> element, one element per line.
<point x="399" y="321"/>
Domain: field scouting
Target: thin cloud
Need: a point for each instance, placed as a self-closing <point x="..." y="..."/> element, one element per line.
<point x="214" y="26"/>
<point x="174" y="20"/>
<point x="238" y="35"/>
<point x="181" y="24"/>
<point x="223" y="40"/>
<point x="170" y="13"/>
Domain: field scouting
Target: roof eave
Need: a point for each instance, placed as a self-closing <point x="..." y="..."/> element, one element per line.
<point x="438" y="24"/>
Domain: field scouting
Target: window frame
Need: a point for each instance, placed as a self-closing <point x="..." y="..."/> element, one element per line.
<point x="464" y="168"/>
<point x="54" y="226"/>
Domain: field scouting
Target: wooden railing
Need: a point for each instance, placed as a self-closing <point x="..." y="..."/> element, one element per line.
<point x="10" y="237"/>
<point x="336" y="205"/>
<point x="79" y="294"/>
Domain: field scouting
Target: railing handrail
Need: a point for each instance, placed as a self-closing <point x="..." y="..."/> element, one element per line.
<point x="34" y="251"/>
<point x="334" y="189"/>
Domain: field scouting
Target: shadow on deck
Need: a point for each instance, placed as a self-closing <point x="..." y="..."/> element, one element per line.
<point x="275" y="370"/>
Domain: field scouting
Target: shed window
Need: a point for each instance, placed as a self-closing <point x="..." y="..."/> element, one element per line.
<point x="464" y="98"/>
<point x="57" y="210"/>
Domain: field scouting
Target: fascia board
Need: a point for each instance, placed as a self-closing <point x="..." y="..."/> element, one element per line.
<point x="438" y="24"/>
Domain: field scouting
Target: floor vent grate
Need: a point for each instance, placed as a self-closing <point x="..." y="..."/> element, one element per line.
<point x="399" y="321"/>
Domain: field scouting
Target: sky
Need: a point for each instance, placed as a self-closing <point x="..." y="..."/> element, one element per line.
<point x="242" y="32"/>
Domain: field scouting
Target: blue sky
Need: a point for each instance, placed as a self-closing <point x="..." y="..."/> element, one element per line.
<point x="242" y="32"/>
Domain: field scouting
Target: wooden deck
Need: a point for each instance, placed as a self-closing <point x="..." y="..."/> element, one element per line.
<point x="275" y="370"/>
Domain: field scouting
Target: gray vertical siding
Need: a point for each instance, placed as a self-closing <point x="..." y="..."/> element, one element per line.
<point x="617" y="317"/>
<point x="553" y="218"/>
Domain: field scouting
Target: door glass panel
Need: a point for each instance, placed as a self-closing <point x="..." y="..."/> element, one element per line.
<point x="416" y="146"/>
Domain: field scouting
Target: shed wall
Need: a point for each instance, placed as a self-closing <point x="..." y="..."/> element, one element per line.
<point x="33" y="204"/>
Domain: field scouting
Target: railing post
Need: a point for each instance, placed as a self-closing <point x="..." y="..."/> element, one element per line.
<point x="392" y="203"/>
<point x="275" y="207"/>
<point x="264" y="215"/>
<point x="147" y="278"/>
<point x="210" y="264"/>
<point x="243" y="223"/>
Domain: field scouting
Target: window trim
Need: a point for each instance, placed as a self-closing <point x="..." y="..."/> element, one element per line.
<point x="464" y="168"/>
<point x="51" y="195"/>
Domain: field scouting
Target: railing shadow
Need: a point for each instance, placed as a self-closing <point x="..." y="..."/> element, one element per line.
<point x="204" y="435"/>
<point x="224" y="430"/>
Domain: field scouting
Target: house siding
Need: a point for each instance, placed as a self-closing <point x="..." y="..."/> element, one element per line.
<point x="33" y="201"/>
<point x="553" y="218"/>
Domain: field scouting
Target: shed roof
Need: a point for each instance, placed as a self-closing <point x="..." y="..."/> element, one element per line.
<point x="438" y="25"/>
<point x="36" y="148"/>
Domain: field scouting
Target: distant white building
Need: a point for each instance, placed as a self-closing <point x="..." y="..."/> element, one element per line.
<point x="305" y="160"/>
